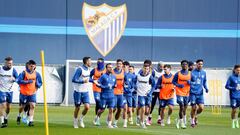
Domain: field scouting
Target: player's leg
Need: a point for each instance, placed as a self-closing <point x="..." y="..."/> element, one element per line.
<point x="22" y="103"/>
<point x="233" y="116"/>
<point x="32" y="102"/>
<point x="200" y="107"/>
<point x="86" y="101"/>
<point x="186" y="101"/>
<point x="155" y="96"/>
<point x="2" y="108"/>
<point x="125" y="110"/>
<point x="97" y="101"/>
<point x="130" y="105"/>
<point x="162" y="106"/>
<point x="101" y="110"/>
<point x="180" y="101"/>
<point x="148" y="101"/>
<point x="8" y="106"/>
<point x="119" y="105"/>
<point x="110" y="117"/>
<point x="170" y="110"/>
<point x="77" y="102"/>
<point x="192" y="98"/>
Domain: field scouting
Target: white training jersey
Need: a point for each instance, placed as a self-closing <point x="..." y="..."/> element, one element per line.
<point x="85" y="87"/>
<point x="157" y="75"/>
<point x="6" y="82"/>
<point x="143" y="85"/>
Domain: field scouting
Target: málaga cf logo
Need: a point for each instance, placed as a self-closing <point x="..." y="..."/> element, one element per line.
<point x="104" y="25"/>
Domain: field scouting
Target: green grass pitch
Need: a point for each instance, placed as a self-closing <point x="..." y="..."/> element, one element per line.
<point x="60" y="123"/>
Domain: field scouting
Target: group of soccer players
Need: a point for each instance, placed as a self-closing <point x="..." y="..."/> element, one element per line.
<point x="29" y="82"/>
<point x="122" y="90"/>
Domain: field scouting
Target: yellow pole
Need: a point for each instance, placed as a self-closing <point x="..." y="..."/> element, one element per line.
<point x="44" y="93"/>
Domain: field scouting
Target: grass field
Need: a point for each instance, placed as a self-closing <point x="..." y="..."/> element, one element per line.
<point x="60" y="123"/>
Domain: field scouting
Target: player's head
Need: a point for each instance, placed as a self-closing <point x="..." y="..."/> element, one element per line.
<point x="8" y="62"/>
<point x="167" y="68"/>
<point x="126" y="65"/>
<point x="237" y="69"/>
<point x="100" y="63"/>
<point x="146" y="68"/>
<point x="109" y="68"/>
<point x="31" y="65"/>
<point x="119" y="64"/>
<point x="87" y="61"/>
<point x="199" y="64"/>
<point x="184" y="64"/>
<point x="131" y="69"/>
<point x="148" y="62"/>
<point x="190" y="65"/>
<point x="160" y="66"/>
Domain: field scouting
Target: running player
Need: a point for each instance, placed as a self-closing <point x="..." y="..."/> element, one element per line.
<point x="198" y="82"/>
<point x="181" y="81"/>
<point x="81" y="85"/>
<point x="8" y="76"/>
<point x="233" y="85"/>
<point x="166" y="93"/>
<point x="107" y="82"/>
<point x="29" y="81"/>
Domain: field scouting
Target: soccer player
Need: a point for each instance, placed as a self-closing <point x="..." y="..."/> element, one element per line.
<point x="128" y="89"/>
<point x="155" y="96"/>
<point x="81" y="85"/>
<point x="198" y="82"/>
<point x="166" y="93"/>
<point x="96" y="73"/>
<point x="8" y="76"/>
<point x="181" y="81"/>
<point x="107" y="82"/>
<point x="30" y="81"/>
<point x="190" y="66"/>
<point x="118" y="91"/>
<point x="134" y="94"/>
<point x="145" y="87"/>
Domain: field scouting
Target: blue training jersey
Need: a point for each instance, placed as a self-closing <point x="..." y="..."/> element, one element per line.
<point x="233" y="85"/>
<point x="198" y="81"/>
<point x="107" y="84"/>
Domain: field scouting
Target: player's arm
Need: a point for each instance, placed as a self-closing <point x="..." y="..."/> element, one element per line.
<point x="101" y="83"/>
<point x="77" y="76"/>
<point x="205" y="82"/>
<point x="21" y="80"/>
<point x="152" y="82"/>
<point x="15" y="75"/>
<point x="38" y="80"/>
<point x="175" y="81"/>
<point x="159" y="83"/>
<point x="126" y="84"/>
<point x="228" y="85"/>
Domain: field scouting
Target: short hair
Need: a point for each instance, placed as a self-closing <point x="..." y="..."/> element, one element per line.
<point x="184" y="61"/>
<point x="199" y="60"/>
<point x="101" y="59"/>
<point x="9" y="58"/>
<point x="85" y="59"/>
<point x="131" y="66"/>
<point x="126" y="63"/>
<point x="167" y="66"/>
<point x="149" y="62"/>
<point x="108" y="64"/>
<point x="119" y="60"/>
<point x="31" y="62"/>
<point x="190" y="63"/>
<point x="236" y="66"/>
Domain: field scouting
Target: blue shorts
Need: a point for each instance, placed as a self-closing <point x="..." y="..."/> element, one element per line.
<point x="119" y="101"/>
<point x="6" y="97"/>
<point x="196" y="99"/>
<point x="81" y="97"/>
<point x="107" y="102"/>
<point x="182" y="100"/>
<point x="235" y="103"/>
<point x="144" y="101"/>
<point x="166" y="102"/>
<point x="24" y="99"/>
<point x="128" y="100"/>
<point x="97" y="96"/>
<point x="134" y="100"/>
